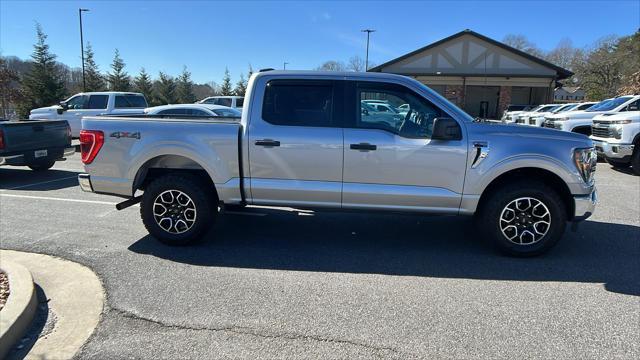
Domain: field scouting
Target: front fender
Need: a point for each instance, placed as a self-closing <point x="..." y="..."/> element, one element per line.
<point x="479" y="179"/>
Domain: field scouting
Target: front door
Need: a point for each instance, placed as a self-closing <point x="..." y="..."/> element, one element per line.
<point x="295" y="144"/>
<point x="390" y="162"/>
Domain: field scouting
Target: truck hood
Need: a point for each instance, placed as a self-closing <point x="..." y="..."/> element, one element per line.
<point x="45" y="110"/>
<point x="541" y="135"/>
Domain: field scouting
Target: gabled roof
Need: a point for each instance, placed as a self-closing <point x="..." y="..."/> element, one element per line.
<point x="562" y="73"/>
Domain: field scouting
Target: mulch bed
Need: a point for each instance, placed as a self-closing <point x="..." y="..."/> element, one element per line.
<point x="4" y="289"/>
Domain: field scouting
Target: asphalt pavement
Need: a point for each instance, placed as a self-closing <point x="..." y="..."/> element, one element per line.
<point x="283" y="283"/>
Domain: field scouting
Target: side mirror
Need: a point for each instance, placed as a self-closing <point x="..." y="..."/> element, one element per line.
<point x="365" y="112"/>
<point x="63" y="107"/>
<point x="446" y="129"/>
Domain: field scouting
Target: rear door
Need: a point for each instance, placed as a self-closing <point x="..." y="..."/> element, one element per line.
<point x="295" y="143"/>
<point x="390" y="162"/>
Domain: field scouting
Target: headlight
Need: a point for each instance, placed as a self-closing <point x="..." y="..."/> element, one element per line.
<point x="585" y="161"/>
<point x="562" y="119"/>
<point x="621" y="122"/>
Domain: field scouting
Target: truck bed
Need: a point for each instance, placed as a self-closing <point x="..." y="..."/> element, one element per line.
<point x="134" y="144"/>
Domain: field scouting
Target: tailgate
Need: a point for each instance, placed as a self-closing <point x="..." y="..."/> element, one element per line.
<point x="33" y="135"/>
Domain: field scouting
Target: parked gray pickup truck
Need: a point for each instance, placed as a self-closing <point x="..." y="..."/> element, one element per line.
<point x="307" y="140"/>
<point x="36" y="144"/>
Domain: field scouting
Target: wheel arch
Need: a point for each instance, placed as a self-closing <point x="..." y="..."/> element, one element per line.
<point x="531" y="173"/>
<point x="170" y="163"/>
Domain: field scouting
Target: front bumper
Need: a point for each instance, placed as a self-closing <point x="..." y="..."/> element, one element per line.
<point x="612" y="150"/>
<point x="585" y="205"/>
<point x="85" y="182"/>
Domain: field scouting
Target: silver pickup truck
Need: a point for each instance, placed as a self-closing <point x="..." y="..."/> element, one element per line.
<point x="307" y="140"/>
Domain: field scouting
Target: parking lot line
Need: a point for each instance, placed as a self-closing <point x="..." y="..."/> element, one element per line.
<point x="39" y="183"/>
<point x="57" y="199"/>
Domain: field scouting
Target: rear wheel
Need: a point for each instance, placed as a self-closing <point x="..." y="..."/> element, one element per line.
<point x="178" y="209"/>
<point x="635" y="159"/>
<point x="619" y="164"/>
<point x="525" y="218"/>
<point x="42" y="166"/>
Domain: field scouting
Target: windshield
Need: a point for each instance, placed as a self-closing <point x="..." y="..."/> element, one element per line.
<point x="563" y="108"/>
<point x="547" y="108"/>
<point x="516" y="107"/>
<point x="609" y="104"/>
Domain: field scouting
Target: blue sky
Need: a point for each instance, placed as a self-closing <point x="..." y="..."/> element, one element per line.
<point x="209" y="35"/>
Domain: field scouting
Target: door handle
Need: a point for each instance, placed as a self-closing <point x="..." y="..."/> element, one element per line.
<point x="363" y="146"/>
<point x="267" y="142"/>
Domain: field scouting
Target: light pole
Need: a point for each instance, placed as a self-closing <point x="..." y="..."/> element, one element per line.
<point x="84" y="82"/>
<point x="284" y="65"/>
<point x="366" y="61"/>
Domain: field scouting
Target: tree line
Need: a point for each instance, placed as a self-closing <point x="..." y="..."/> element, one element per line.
<point x="42" y="81"/>
<point x="608" y="68"/>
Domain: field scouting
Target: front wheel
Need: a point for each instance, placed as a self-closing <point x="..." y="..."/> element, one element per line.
<point x="525" y="218"/>
<point x="178" y="209"/>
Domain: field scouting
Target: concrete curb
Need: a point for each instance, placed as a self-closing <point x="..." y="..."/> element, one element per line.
<point x="21" y="306"/>
<point x="74" y="294"/>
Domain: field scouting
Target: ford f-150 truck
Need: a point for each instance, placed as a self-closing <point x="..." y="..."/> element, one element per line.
<point x="617" y="138"/>
<point x="36" y="144"/>
<point x="92" y="103"/>
<point x="304" y="142"/>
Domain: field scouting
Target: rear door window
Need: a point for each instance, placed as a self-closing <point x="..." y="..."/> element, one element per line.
<point x="97" y="102"/>
<point x="299" y="103"/>
<point x="130" y="101"/>
<point x="223" y="102"/>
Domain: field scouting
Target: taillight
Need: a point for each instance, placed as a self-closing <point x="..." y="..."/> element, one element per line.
<point x="91" y="142"/>
<point x="1" y="139"/>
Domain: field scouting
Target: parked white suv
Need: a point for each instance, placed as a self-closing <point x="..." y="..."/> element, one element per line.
<point x="235" y="102"/>
<point x="512" y="111"/>
<point x="580" y="121"/>
<point x="91" y="104"/>
<point x="617" y="137"/>
<point x="523" y="117"/>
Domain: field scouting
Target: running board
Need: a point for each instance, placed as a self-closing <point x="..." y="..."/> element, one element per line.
<point x="130" y="202"/>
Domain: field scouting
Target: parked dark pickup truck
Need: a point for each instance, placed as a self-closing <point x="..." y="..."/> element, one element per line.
<point x="36" y="144"/>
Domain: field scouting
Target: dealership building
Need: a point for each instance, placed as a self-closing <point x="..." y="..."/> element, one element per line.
<point x="480" y="75"/>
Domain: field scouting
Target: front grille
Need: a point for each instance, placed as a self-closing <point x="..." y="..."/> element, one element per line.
<point x="532" y="121"/>
<point x="520" y="120"/>
<point x="549" y="124"/>
<point x="603" y="132"/>
<point x="557" y="125"/>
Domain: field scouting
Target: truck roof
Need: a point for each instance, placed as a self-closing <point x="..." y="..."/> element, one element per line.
<point x="109" y="93"/>
<point x="331" y="74"/>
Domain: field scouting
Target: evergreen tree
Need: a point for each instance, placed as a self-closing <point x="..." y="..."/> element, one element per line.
<point x="241" y="86"/>
<point x="184" y="89"/>
<point x="43" y="85"/>
<point x="143" y="84"/>
<point x="225" y="88"/>
<point x="118" y="80"/>
<point x="92" y="75"/>
<point x="166" y="89"/>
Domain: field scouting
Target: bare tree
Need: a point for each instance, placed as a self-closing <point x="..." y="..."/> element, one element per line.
<point x="355" y="64"/>
<point x="521" y="43"/>
<point x="332" y="65"/>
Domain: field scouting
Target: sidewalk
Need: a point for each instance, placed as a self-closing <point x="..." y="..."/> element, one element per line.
<point x="75" y="297"/>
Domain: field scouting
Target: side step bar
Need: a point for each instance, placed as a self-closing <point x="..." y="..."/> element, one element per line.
<point x="130" y="202"/>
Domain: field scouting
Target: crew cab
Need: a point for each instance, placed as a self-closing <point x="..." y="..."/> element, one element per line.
<point x="580" y="121"/>
<point x="36" y="144"/>
<point x="304" y="142"/>
<point x="617" y="138"/>
<point x="91" y="103"/>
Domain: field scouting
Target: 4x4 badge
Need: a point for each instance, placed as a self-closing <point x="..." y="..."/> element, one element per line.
<point x="125" y="134"/>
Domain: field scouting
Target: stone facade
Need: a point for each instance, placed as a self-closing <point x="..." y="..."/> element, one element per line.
<point x="504" y="99"/>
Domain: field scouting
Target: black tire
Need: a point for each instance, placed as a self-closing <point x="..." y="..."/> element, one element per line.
<point x="203" y="199"/>
<point x="618" y="164"/>
<point x="635" y="159"/>
<point x="42" y="166"/>
<point x="491" y="210"/>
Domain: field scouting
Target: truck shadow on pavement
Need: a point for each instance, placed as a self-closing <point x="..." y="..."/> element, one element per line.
<point x="26" y="179"/>
<point x="443" y="247"/>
